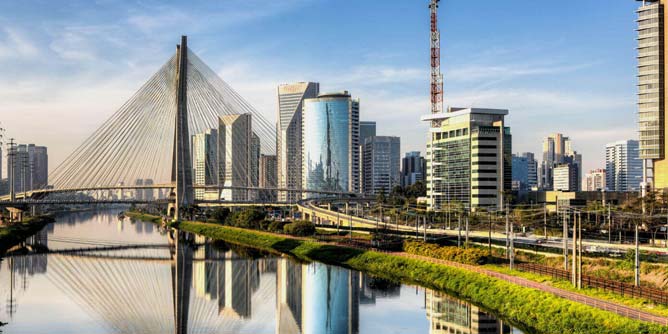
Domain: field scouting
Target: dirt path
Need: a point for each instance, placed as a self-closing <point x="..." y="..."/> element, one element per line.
<point x="576" y="297"/>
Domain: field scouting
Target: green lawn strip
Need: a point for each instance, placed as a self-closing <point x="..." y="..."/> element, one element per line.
<point x="143" y="216"/>
<point x="14" y="234"/>
<point x="542" y="311"/>
<point x="637" y="303"/>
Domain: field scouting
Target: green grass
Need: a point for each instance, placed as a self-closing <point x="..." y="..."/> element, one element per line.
<point x="143" y="216"/>
<point x="14" y="234"/>
<point x="638" y="303"/>
<point x="538" y="310"/>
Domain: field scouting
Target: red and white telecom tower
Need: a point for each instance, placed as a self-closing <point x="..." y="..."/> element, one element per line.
<point x="436" y="76"/>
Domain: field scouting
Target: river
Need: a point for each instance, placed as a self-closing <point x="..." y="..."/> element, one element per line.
<point x="90" y="272"/>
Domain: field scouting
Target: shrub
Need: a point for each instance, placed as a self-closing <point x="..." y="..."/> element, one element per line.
<point x="448" y="253"/>
<point x="264" y="225"/>
<point x="219" y="215"/>
<point x="300" y="228"/>
<point x="247" y="218"/>
<point x="276" y="226"/>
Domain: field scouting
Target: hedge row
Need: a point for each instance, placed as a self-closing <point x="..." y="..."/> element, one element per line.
<point x="449" y="253"/>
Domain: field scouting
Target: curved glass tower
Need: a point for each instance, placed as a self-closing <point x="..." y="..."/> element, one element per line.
<point x="330" y="130"/>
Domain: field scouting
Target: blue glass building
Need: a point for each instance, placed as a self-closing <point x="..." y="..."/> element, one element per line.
<point x="330" y="141"/>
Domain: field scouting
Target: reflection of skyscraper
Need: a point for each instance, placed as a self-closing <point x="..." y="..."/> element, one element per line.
<point x="288" y="296"/>
<point x="450" y="315"/>
<point x="330" y="300"/>
<point x="238" y="278"/>
<point x="330" y="143"/>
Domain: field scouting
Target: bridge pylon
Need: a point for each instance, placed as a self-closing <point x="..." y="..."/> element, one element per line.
<point x="181" y="160"/>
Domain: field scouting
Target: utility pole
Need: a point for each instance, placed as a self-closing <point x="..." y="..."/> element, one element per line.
<point x="565" y="239"/>
<point x="575" y="242"/>
<point x="11" y="173"/>
<point x="489" y="237"/>
<point x="609" y="226"/>
<point x="507" y="236"/>
<point x="351" y="226"/>
<point x="466" y="242"/>
<point x="512" y="245"/>
<point x="425" y="228"/>
<point x="637" y="260"/>
<point x="545" y="220"/>
<point x="580" y="251"/>
<point x="459" y="231"/>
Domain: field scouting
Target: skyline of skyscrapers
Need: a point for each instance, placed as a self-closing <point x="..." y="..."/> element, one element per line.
<point x="558" y="150"/>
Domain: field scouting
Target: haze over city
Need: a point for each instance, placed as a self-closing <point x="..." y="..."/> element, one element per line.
<point x="68" y="66"/>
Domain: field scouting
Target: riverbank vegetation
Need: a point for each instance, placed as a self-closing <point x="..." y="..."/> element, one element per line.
<point x="545" y="312"/>
<point x="13" y="234"/>
<point x="471" y="255"/>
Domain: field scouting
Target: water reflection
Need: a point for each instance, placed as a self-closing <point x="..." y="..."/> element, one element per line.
<point x="104" y="276"/>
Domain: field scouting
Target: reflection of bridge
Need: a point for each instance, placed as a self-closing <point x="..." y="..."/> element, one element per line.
<point x="160" y="141"/>
<point x="212" y="289"/>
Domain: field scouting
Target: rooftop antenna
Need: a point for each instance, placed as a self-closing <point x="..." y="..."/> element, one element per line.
<point x="436" y="76"/>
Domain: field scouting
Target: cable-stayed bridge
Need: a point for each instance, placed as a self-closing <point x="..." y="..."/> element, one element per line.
<point x="185" y="134"/>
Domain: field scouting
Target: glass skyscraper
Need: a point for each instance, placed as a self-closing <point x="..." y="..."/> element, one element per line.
<point x="330" y="141"/>
<point x="289" y="136"/>
<point x="381" y="164"/>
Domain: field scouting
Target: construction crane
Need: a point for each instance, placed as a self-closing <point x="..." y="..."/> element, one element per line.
<point x="436" y="76"/>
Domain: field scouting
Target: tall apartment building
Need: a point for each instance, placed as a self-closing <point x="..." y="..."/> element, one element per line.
<point x="566" y="177"/>
<point x="525" y="171"/>
<point x="28" y="167"/>
<point x="595" y="180"/>
<point x="40" y="167"/>
<point x="367" y="129"/>
<point x="381" y="164"/>
<point x="268" y="170"/>
<point x="651" y="92"/>
<point x="413" y="168"/>
<point x="558" y="150"/>
<point x="468" y="158"/>
<point x="235" y="155"/>
<point x="623" y="166"/>
<point x="289" y="135"/>
<point x="206" y="168"/>
<point x="330" y="143"/>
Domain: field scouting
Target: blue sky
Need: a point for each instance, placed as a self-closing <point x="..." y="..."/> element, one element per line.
<point x="559" y="66"/>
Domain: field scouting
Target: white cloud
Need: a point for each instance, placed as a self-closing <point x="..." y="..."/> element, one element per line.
<point x="14" y="44"/>
<point x="484" y="72"/>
